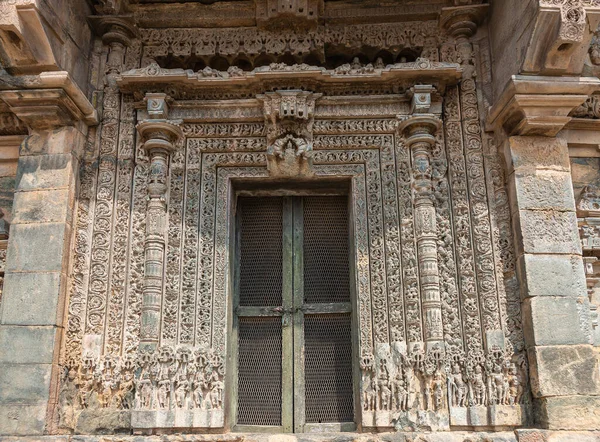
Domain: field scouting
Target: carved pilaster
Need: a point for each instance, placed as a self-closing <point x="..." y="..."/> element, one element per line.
<point x="420" y="129"/>
<point x="159" y="136"/>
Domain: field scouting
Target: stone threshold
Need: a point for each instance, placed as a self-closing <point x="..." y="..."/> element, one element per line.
<point x="523" y="435"/>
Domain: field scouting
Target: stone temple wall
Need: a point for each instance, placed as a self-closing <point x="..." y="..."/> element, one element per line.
<point x="473" y="195"/>
<point x="461" y="353"/>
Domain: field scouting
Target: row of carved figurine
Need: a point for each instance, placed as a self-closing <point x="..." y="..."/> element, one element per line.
<point x="394" y="381"/>
<point x="165" y="378"/>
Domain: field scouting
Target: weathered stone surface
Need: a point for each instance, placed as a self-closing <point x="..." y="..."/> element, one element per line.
<point x="28" y="344"/>
<point x="64" y="140"/>
<point x="545" y="190"/>
<point x="37" y="247"/>
<point x="32" y="298"/>
<point x="569" y="413"/>
<point x="552" y="275"/>
<point x="550" y="320"/>
<point x="526" y="154"/>
<point x="564" y="370"/>
<point x="46" y="171"/>
<point x="24" y="419"/>
<point x="103" y="421"/>
<point x="547" y="231"/>
<point x="24" y="383"/>
<point x="43" y="206"/>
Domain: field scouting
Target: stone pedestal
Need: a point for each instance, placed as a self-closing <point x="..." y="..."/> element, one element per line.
<point x="32" y="310"/>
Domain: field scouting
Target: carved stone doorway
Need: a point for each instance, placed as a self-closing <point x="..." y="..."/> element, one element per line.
<point x="293" y="314"/>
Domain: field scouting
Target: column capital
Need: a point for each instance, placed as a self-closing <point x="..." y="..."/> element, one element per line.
<point x="158" y="133"/>
<point x="114" y="28"/>
<point x="422" y="125"/>
<point x="462" y="21"/>
<point x="420" y="128"/>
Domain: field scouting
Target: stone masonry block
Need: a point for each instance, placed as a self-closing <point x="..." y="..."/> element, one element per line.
<point x="37" y="247"/>
<point x="18" y="419"/>
<point x="549" y="320"/>
<point x="547" y="231"/>
<point x="569" y="413"/>
<point x="542" y="189"/>
<point x="64" y="140"/>
<point x="24" y="383"/>
<point x="28" y="344"/>
<point x="564" y="370"/>
<point x="537" y="153"/>
<point x="42" y="206"/>
<point x="46" y="172"/>
<point x="552" y="275"/>
<point x="33" y="299"/>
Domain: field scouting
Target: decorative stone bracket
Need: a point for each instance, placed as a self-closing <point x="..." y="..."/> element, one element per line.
<point x="561" y="36"/>
<point x="289" y="117"/>
<point x="159" y="136"/>
<point x="24" y="45"/>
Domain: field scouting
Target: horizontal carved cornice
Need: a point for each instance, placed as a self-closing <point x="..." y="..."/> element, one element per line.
<point x="540" y="105"/>
<point x="436" y="73"/>
<point x="49" y="99"/>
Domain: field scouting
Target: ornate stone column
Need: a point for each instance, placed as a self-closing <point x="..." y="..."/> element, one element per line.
<point x="159" y="136"/>
<point x="420" y="129"/>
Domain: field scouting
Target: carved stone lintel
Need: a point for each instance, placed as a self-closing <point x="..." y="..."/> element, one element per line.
<point x="420" y="132"/>
<point x="159" y="137"/>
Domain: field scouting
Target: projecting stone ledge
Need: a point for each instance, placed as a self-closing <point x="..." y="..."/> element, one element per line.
<point x="526" y="435"/>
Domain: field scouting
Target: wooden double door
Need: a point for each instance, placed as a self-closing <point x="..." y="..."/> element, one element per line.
<point x="293" y="315"/>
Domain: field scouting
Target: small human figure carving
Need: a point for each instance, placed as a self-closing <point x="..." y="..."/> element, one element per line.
<point x="369" y="387"/>
<point x="496" y="391"/>
<point x="515" y="386"/>
<point x="197" y="390"/>
<point x="477" y="386"/>
<point x="400" y="392"/>
<point x="458" y="386"/>
<point x="384" y="386"/>
<point x="144" y="386"/>
<point x="438" y="391"/>
<point x="181" y="390"/>
<point x="164" y="388"/>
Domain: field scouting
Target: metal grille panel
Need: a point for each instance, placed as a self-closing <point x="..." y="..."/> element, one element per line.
<point x="326" y="263"/>
<point x="328" y="368"/>
<point x="259" y="371"/>
<point x="261" y="251"/>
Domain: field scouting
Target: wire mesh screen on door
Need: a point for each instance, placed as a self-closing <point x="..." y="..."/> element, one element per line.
<point x="261" y="251"/>
<point x="275" y="331"/>
<point x="326" y="265"/>
<point x="328" y="368"/>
